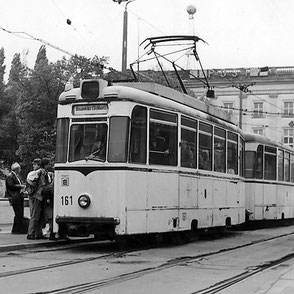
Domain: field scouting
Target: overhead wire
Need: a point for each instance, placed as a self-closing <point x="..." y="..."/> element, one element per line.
<point x="250" y="111"/>
<point x="31" y="37"/>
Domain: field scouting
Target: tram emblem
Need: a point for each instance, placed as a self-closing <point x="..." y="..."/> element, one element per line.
<point x="64" y="180"/>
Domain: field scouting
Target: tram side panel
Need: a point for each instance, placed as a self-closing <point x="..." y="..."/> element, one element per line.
<point x="188" y="201"/>
<point x="162" y="203"/>
<point x="270" y="201"/>
<point x="228" y="202"/>
<point x="211" y="202"/>
<point x="283" y="202"/>
<point x="262" y="201"/>
<point x="136" y="202"/>
<point x="205" y="202"/>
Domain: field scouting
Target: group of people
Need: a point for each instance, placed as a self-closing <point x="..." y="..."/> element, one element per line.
<point x="39" y="189"/>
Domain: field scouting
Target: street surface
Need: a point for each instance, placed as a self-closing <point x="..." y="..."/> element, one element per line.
<point x="237" y="262"/>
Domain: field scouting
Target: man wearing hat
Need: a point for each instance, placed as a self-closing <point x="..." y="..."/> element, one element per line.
<point x="14" y="189"/>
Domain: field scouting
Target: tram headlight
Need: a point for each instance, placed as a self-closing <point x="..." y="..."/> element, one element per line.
<point x="84" y="201"/>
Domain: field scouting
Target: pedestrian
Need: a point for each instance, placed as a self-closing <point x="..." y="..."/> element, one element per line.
<point x="48" y="194"/>
<point x="36" y="201"/>
<point x="33" y="177"/>
<point x="15" y="194"/>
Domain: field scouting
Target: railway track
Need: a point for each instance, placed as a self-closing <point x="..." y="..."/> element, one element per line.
<point x="104" y="283"/>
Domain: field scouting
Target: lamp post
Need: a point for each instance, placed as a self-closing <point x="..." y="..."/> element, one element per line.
<point x="125" y="35"/>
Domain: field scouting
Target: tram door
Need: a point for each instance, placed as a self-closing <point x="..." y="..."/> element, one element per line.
<point x="188" y="182"/>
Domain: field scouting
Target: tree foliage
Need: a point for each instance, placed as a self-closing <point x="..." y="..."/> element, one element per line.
<point x="28" y="103"/>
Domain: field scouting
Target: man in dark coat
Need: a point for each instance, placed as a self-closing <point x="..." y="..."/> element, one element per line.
<point x="14" y="189"/>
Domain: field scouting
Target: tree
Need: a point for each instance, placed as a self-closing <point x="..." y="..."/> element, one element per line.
<point x="2" y="71"/>
<point x="81" y="68"/>
<point x="10" y="129"/>
<point x="36" y="107"/>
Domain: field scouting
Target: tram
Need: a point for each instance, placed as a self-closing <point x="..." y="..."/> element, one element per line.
<point x="141" y="158"/>
<point x="269" y="179"/>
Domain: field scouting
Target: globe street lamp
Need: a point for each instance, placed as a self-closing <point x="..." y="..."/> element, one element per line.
<point x="125" y="35"/>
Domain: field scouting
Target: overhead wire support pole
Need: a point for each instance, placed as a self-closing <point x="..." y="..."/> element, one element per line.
<point x="198" y="59"/>
<point x="133" y="72"/>
<point x="179" y="78"/>
<point x="178" y="38"/>
<point x="242" y="89"/>
<point x="165" y="77"/>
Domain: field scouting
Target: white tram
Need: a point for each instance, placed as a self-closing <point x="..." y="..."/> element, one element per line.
<point x="140" y="158"/>
<point x="269" y="173"/>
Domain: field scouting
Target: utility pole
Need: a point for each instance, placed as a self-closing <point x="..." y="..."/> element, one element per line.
<point x="125" y="35"/>
<point x="242" y="89"/>
<point x="241" y="108"/>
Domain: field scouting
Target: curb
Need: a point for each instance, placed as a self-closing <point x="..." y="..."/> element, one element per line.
<point x="44" y="243"/>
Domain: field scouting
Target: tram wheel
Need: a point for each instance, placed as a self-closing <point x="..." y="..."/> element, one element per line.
<point x="62" y="231"/>
<point x="122" y="242"/>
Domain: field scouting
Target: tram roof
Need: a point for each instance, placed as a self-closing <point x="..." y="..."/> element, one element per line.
<point x="259" y="139"/>
<point x="179" y="97"/>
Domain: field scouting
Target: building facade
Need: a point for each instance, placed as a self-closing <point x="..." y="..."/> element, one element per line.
<point x="261" y="100"/>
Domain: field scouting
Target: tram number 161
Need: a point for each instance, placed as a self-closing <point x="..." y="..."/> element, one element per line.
<point x="66" y="200"/>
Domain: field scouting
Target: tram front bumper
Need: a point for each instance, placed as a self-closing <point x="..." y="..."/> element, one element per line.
<point x="88" y="220"/>
<point x="84" y="226"/>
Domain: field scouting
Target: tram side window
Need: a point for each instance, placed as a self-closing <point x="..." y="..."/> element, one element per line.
<point x="118" y="139"/>
<point x="88" y="141"/>
<point x="188" y="142"/>
<point x="242" y="156"/>
<point x="62" y="139"/>
<point x="163" y="138"/>
<point x="138" y="135"/>
<point x="232" y="153"/>
<point x="280" y="165"/>
<point x="270" y="159"/>
<point x="258" y="174"/>
<point x="287" y="166"/>
<point x="219" y="150"/>
<point x="292" y="167"/>
<point x="205" y="146"/>
<point x="249" y="164"/>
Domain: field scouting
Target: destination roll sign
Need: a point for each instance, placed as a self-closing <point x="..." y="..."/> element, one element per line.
<point x="90" y="109"/>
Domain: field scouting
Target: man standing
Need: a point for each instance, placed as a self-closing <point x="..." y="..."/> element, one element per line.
<point x="36" y="203"/>
<point x="14" y="192"/>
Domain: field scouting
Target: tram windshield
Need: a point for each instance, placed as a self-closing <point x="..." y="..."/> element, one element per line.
<point x="88" y="141"/>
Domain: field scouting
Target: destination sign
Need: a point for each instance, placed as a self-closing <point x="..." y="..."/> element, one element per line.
<point x="90" y="109"/>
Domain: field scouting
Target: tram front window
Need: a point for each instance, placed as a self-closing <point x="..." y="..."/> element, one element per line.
<point x="88" y="141"/>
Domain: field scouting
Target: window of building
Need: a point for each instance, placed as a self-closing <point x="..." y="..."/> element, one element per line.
<point x="258" y="131"/>
<point x="288" y="108"/>
<point x="258" y="109"/>
<point x="228" y="107"/>
<point x="289" y="137"/>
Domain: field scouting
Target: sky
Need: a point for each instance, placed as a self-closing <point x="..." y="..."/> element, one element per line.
<point x="239" y="33"/>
